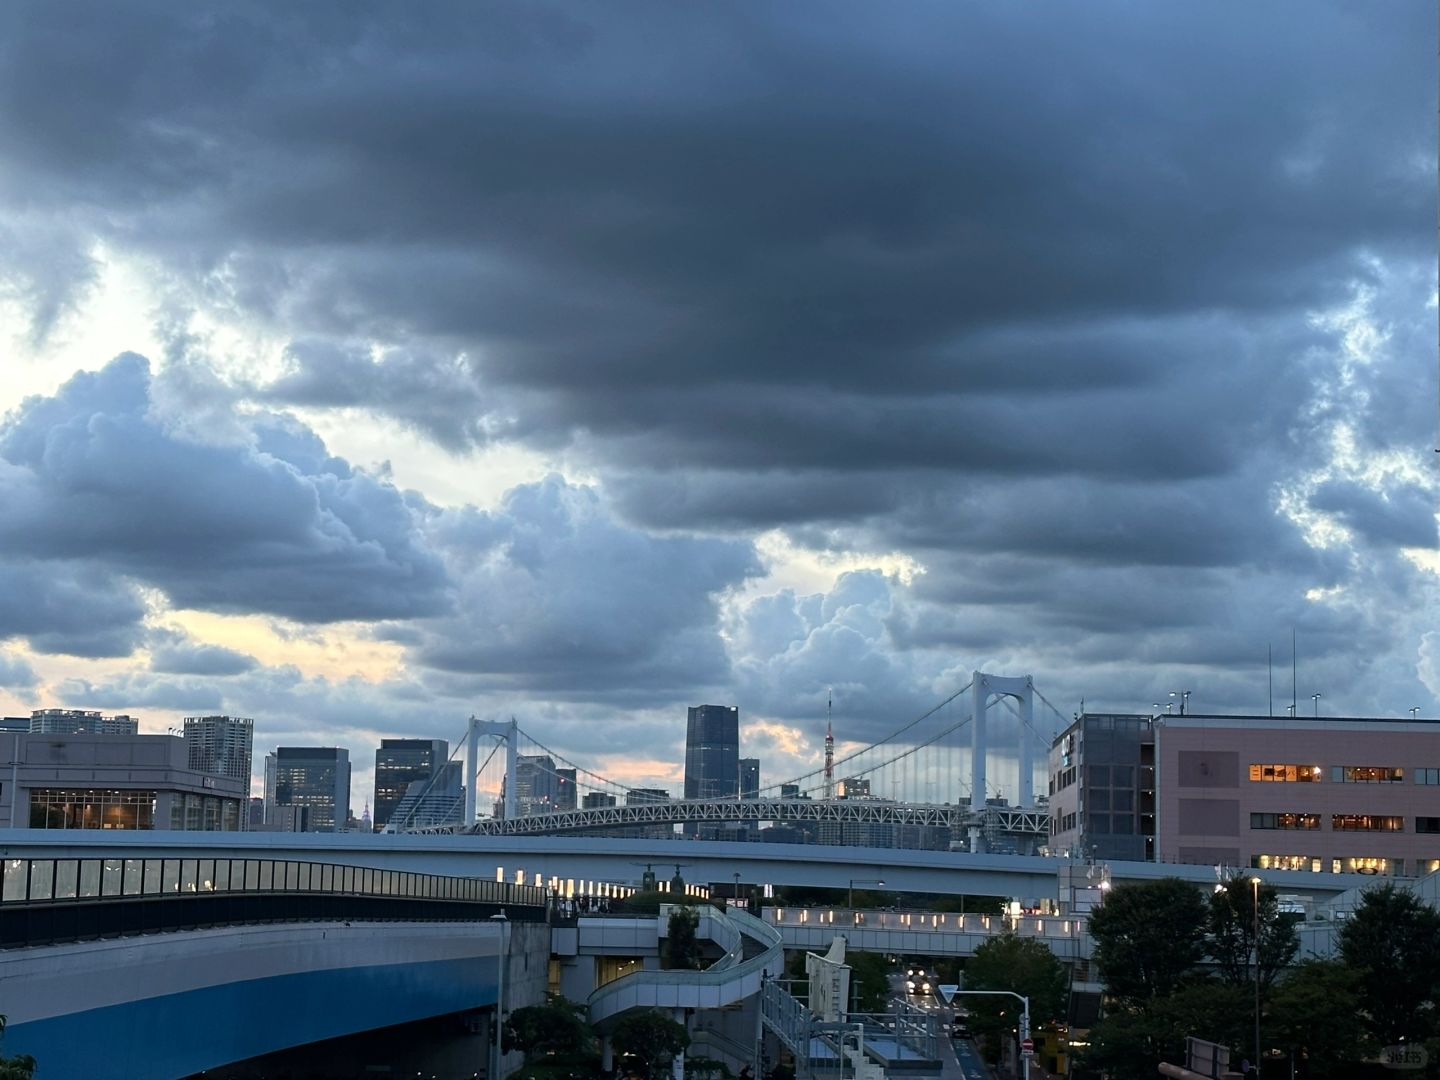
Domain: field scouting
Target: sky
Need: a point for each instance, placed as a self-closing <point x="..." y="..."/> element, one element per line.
<point x="366" y="367"/>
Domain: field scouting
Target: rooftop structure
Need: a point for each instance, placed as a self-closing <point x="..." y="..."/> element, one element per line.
<point x="90" y="781"/>
<point x="80" y="722"/>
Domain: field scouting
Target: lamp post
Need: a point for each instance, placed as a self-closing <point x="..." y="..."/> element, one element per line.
<point x="1414" y="712"/>
<point x="850" y="894"/>
<point x="497" y="1056"/>
<point x="1184" y="696"/>
<point x="1255" y="883"/>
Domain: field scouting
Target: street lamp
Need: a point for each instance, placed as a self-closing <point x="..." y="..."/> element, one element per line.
<point x="850" y="895"/>
<point x="1184" y="696"/>
<point x="1255" y="883"/>
<point x="1414" y="712"/>
<point x="1290" y="709"/>
<point x="1316" y="698"/>
<point x="495" y="1051"/>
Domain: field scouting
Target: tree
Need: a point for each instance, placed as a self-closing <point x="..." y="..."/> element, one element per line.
<point x="1230" y="933"/>
<point x="869" y="981"/>
<point x="1391" y="942"/>
<point x="1148" y="938"/>
<point x="1315" y="1015"/>
<point x="651" y="1039"/>
<point x="682" y="946"/>
<point x="1130" y="1042"/>
<point x="1024" y="966"/>
<point x="556" y="1027"/>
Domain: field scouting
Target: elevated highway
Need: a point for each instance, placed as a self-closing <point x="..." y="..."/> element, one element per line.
<point x="597" y="858"/>
<point x="144" y="963"/>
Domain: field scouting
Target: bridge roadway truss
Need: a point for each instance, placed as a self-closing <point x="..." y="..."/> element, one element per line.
<point x="1007" y="820"/>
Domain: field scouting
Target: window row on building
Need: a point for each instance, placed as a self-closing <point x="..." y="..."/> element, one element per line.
<point x="1340" y="774"/>
<point x="112" y="808"/>
<point x="1343" y="822"/>
<point x="1360" y="864"/>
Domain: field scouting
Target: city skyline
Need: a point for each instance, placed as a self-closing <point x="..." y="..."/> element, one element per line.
<point x="586" y="382"/>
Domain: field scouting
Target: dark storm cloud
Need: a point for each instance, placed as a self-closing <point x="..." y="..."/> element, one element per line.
<point x="1405" y="518"/>
<point x="1027" y="293"/>
<point x="433" y="394"/>
<point x="70" y="607"/>
<point x="16" y="674"/>
<point x="91" y="474"/>
<point x="173" y="653"/>
<point x="555" y="595"/>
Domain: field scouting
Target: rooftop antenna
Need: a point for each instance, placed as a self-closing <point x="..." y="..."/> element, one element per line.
<point x="1270" y="670"/>
<point x="829" y="745"/>
<point x="1295" y="674"/>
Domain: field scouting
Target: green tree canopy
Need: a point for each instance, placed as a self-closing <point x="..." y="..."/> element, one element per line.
<point x="1315" y="1013"/>
<point x="1392" y="944"/>
<point x="1230" y="933"/>
<point x="1021" y="965"/>
<point x="1148" y="938"/>
<point x="650" y="1038"/>
<point x="1130" y="1043"/>
<point x="869" y="981"/>
<point x="558" y="1027"/>
<point x="682" y="946"/>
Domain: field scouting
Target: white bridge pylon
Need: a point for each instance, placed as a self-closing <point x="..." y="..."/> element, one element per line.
<point x="985" y="687"/>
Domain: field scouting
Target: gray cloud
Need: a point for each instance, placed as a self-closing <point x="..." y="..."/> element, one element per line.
<point x="16" y="674"/>
<point x="69" y="606"/>
<point x="174" y="653"/>
<point x="558" y="597"/>
<point x="1045" y="299"/>
<point x="218" y="526"/>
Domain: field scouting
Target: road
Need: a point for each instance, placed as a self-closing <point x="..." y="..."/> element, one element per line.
<point x="959" y="1059"/>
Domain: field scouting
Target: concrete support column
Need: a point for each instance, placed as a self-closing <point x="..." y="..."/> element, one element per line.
<point x="1025" y="796"/>
<point x="607" y="1055"/>
<point x="980" y="696"/>
<point x="677" y="1066"/>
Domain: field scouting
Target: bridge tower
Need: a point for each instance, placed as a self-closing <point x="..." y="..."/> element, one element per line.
<point x="509" y="730"/>
<point x="984" y="688"/>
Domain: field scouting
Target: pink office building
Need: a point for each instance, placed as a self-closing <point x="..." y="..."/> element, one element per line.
<point x="1351" y="795"/>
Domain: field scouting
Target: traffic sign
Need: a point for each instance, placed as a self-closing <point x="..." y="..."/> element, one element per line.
<point x="1027" y="1046"/>
<point x="947" y="991"/>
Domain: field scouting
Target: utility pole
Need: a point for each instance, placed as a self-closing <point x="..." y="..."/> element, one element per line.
<point x="1024" y="1029"/>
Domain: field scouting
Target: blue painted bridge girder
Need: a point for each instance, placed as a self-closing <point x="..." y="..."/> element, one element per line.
<point x="170" y="1005"/>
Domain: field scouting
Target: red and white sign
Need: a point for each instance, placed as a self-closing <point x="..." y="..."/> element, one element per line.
<point x="1027" y="1046"/>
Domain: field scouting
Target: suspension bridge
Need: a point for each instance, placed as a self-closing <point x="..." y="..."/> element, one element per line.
<point x="921" y="775"/>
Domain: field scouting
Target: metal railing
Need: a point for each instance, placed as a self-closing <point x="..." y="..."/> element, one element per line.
<point x="29" y="881"/>
<point x="730" y="971"/>
<point x="51" y="901"/>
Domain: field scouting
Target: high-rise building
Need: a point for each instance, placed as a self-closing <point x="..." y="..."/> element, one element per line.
<point x="712" y="758"/>
<point x="749" y="778"/>
<point x="220" y="745"/>
<point x="597" y="800"/>
<point x="314" y="777"/>
<point x="400" y="762"/>
<point x="80" y="722"/>
<point x="19" y="725"/>
<point x="439" y="800"/>
<point x="566" y="797"/>
<point x="712" y="752"/>
<point x="537" y="787"/>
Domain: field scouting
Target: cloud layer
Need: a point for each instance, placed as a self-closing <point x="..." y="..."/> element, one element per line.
<point x="1112" y="322"/>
